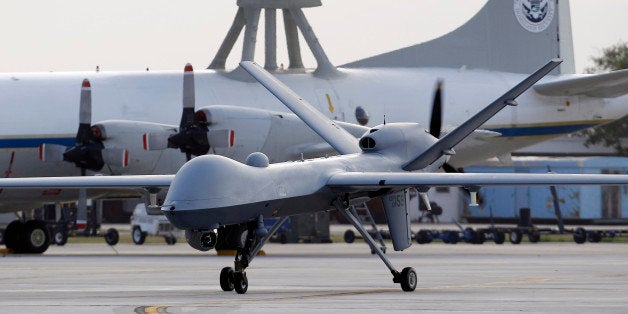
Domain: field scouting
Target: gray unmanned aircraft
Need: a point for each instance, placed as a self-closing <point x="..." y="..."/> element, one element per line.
<point x="211" y="191"/>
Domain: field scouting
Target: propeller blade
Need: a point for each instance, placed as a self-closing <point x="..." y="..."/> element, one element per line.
<point x="84" y="133"/>
<point x="191" y="138"/>
<point x="449" y="168"/>
<point x="187" y="117"/>
<point x="436" y="120"/>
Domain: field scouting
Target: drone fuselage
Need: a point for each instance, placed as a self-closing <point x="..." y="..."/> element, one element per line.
<point x="211" y="191"/>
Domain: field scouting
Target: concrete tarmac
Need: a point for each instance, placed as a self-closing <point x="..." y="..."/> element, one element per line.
<point x="319" y="278"/>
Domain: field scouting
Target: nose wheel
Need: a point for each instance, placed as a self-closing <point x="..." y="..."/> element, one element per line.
<point x="235" y="278"/>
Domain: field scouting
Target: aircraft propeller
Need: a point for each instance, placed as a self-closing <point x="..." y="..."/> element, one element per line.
<point x="436" y="121"/>
<point x="89" y="152"/>
<point x="192" y="136"/>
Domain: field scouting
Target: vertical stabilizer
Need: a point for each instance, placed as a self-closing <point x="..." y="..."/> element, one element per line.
<point x="505" y="35"/>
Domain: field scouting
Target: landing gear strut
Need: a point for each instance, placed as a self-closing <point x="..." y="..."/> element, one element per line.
<point x="235" y="278"/>
<point x="407" y="278"/>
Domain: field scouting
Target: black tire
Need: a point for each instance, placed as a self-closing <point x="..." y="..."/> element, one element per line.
<point x="469" y="235"/>
<point x="534" y="236"/>
<point x="595" y="236"/>
<point x="170" y="240"/>
<point x="349" y="236"/>
<point x="13" y="236"/>
<point x="423" y="237"/>
<point x="61" y="237"/>
<point x="480" y="237"/>
<point x="138" y="236"/>
<point x="226" y="279"/>
<point x="36" y="237"/>
<point x="580" y="235"/>
<point x="283" y="238"/>
<point x="499" y="237"/>
<point x="240" y="282"/>
<point x="112" y="237"/>
<point x="453" y="237"/>
<point x="408" y="279"/>
<point x="515" y="236"/>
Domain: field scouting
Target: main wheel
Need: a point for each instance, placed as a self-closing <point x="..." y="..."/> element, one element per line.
<point x="349" y="236"/>
<point x="240" y="282"/>
<point x="580" y="235"/>
<point x="423" y="237"/>
<point x="408" y="279"/>
<point x="13" y="236"/>
<point x="499" y="237"/>
<point x="61" y="237"/>
<point x="138" y="236"/>
<point x="36" y="238"/>
<point x="111" y="236"/>
<point x="226" y="279"/>
<point x="595" y="236"/>
<point x="515" y="236"/>
<point x="534" y="236"/>
<point x="170" y="240"/>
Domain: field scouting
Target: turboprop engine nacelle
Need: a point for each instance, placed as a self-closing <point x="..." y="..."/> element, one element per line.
<point x="281" y="136"/>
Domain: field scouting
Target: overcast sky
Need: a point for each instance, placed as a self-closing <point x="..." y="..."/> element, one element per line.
<point x="71" y="35"/>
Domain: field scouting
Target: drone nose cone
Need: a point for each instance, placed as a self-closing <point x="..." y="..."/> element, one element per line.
<point x="86" y="84"/>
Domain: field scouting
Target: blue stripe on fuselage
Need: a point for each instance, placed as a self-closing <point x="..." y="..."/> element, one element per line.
<point x="542" y="130"/>
<point x="35" y="142"/>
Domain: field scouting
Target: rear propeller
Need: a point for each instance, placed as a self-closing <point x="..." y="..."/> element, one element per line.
<point x="192" y="136"/>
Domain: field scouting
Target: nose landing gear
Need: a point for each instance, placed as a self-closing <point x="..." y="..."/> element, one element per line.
<point x="235" y="278"/>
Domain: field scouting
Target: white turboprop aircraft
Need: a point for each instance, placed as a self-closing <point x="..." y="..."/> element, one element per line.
<point x="212" y="191"/>
<point x="476" y="63"/>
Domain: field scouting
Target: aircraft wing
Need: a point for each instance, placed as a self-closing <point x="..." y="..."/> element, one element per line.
<point x="607" y="85"/>
<point x="378" y="180"/>
<point x="91" y="182"/>
<point x="341" y="140"/>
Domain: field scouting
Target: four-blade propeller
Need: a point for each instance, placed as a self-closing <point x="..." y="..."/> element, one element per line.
<point x="89" y="151"/>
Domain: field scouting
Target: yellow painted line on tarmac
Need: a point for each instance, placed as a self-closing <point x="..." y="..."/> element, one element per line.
<point x="153" y="309"/>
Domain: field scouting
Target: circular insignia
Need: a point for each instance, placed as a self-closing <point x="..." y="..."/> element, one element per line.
<point x="534" y="15"/>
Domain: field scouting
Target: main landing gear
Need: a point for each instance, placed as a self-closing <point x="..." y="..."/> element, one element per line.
<point x="235" y="278"/>
<point x="27" y="237"/>
<point x="407" y="278"/>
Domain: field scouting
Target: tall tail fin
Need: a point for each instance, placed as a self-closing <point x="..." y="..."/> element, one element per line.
<point x="505" y="35"/>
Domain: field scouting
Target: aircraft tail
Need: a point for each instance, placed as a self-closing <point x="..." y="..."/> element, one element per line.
<point x="505" y="35"/>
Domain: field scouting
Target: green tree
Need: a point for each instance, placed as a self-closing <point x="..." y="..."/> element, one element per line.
<point x="613" y="58"/>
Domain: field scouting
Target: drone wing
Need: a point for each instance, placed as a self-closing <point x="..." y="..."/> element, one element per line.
<point x="92" y="182"/>
<point x="341" y="140"/>
<point x="379" y="180"/>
